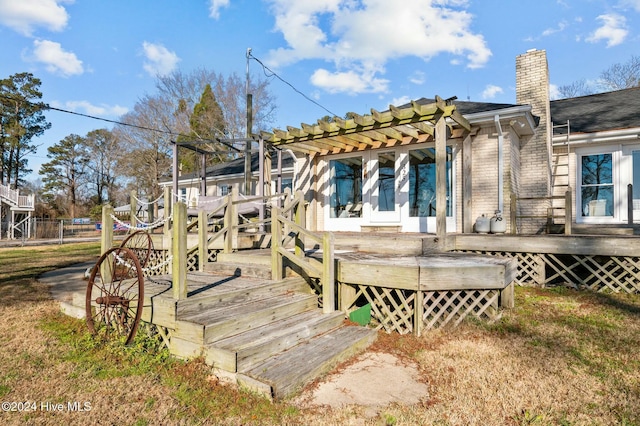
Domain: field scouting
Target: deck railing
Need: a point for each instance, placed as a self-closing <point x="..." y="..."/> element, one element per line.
<point x="551" y="214"/>
<point x="283" y="226"/>
<point x="14" y="198"/>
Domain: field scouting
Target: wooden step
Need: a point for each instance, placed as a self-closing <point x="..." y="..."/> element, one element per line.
<point x="225" y="319"/>
<point x="286" y="373"/>
<point x="240" y="269"/>
<point x="245" y="350"/>
<point x="267" y="289"/>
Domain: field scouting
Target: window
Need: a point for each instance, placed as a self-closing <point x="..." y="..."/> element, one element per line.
<point x="224" y="189"/>
<point x="422" y="182"/>
<point x="346" y="187"/>
<point x="596" y="185"/>
<point x="287" y="183"/>
<point x="386" y="182"/>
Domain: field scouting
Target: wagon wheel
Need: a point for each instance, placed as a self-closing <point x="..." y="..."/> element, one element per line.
<point x="141" y="244"/>
<point x="115" y="295"/>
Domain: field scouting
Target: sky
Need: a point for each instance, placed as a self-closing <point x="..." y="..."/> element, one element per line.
<point x="99" y="57"/>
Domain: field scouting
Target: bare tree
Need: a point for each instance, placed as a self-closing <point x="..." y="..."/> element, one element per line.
<point x="575" y="89"/>
<point x="622" y="76"/>
<point x="145" y="153"/>
<point x="104" y="150"/>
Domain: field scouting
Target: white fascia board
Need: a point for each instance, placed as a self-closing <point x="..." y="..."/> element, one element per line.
<point x="608" y="136"/>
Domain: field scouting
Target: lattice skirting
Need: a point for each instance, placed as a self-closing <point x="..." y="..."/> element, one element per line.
<point x="159" y="257"/>
<point x="441" y="308"/>
<point x="395" y="309"/>
<point x="593" y="272"/>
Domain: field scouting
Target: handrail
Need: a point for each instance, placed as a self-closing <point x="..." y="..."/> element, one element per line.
<point x="298" y="256"/>
<point x="13" y="197"/>
<point x="550" y="216"/>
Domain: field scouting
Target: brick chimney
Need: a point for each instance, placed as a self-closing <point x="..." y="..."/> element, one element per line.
<point x="532" y="88"/>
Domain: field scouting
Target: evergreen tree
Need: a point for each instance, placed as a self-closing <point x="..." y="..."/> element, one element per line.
<point x="66" y="172"/>
<point x="21" y="119"/>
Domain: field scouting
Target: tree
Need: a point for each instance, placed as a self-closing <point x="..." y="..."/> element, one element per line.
<point x="617" y="77"/>
<point x="104" y="151"/>
<point x="66" y="172"/>
<point x="145" y="154"/>
<point x="622" y="76"/>
<point x="170" y="110"/>
<point x="575" y="89"/>
<point x="206" y="125"/>
<point x="21" y="119"/>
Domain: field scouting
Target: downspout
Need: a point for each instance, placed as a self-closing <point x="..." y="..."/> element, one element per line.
<point x="496" y="119"/>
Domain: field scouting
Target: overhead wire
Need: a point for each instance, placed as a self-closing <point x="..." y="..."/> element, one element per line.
<point x="273" y="73"/>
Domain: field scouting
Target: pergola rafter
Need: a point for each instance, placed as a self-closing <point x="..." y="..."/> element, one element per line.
<point x="411" y="124"/>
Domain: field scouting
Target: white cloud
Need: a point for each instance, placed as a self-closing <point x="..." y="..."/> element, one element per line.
<point x="402" y="100"/>
<point x="160" y="60"/>
<point x="216" y="5"/>
<point x="360" y="37"/>
<point x="635" y="4"/>
<point x="351" y="82"/>
<point x="491" y="91"/>
<point x="418" y="77"/>
<point x="56" y="59"/>
<point x="554" y="92"/>
<point x="559" y="28"/>
<point x="24" y="16"/>
<point x="87" y="107"/>
<point x="613" y="30"/>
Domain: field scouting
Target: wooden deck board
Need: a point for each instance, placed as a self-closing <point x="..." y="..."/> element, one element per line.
<point x="286" y="372"/>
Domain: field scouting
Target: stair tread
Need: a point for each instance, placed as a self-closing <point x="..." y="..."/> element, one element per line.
<point x="289" y="370"/>
<point x="220" y="312"/>
<point x="263" y="334"/>
<point x="235" y="285"/>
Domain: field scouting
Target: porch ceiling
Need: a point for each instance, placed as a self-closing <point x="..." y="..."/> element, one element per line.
<point x="398" y="126"/>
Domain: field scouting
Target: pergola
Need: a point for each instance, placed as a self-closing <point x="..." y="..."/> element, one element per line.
<point x="412" y="124"/>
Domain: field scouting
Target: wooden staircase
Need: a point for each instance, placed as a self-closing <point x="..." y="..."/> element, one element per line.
<point x="270" y="336"/>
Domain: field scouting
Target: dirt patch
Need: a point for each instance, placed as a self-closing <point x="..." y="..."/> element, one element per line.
<point x="373" y="381"/>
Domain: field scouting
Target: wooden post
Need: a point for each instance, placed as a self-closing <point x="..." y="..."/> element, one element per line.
<point x="328" y="274"/>
<point x="568" y="211"/>
<point x="630" y="204"/>
<point x="179" y="251"/>
<point x="441" y="182"/>
<point x="106" y="236"/>
<point x="513" y="213"/>
<point x="300" y="219"/>
<point x="276" y="241"/>
<point x="231" y="222"/>
<point x="106" y="239"/>
<point x="133" y="204"/>
<point x="168" y="203"/>
<point x="203" y="245"/>
<point x="347" y="297"/>
<point x="418" y="312"/>
<point x="507" y="297"/>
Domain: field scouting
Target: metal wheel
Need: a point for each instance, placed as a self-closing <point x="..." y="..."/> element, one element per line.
<point x="141" y="244"/>
<point x="115" y="295"/>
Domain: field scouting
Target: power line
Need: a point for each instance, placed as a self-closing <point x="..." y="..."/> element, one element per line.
<point x="120" y="123"/>
<point x="288" y="84"/>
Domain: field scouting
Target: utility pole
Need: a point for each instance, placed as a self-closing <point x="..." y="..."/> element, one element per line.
<point x="247" y="147"/>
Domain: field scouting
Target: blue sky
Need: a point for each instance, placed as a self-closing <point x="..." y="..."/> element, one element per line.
<point x="99" y="57"/>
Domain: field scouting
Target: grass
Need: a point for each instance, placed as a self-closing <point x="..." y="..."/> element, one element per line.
<point x="561" y="357"/>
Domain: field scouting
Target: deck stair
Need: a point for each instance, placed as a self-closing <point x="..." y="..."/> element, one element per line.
<point x="249" y="330"/>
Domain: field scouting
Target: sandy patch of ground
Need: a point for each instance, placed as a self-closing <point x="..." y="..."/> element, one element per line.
<point x="373" y="381"/>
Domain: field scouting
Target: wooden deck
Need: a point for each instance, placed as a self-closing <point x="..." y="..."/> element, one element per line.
<point x="252" y="329"/>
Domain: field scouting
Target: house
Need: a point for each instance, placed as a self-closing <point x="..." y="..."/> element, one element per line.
<point x="596" y="149"/>
<point x="514" y="162"/>
<point x="222" y="177"/>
